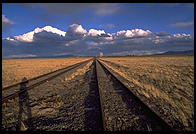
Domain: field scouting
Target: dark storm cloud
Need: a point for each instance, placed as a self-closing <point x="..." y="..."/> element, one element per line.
<point x="162" y="34"/>
<point x="78" y="41"/>
<point x="45" y="36"/>
<point x="75" y="32"/>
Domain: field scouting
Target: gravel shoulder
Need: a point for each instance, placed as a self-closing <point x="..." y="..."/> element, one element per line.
<point x="165" y="84"/>
<point x="68" y="102"/>
<point x="121" y="110"/>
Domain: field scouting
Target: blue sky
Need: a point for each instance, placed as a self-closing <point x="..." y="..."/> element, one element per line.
<point x="156" y="17"/>
<point x="171" y="18"/>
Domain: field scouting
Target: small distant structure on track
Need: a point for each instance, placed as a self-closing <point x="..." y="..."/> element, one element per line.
<point x="101" y="54"/>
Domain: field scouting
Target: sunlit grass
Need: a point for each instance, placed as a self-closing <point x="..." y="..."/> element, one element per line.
<point x="167" y="80"/>
<point x="13" y="70"/>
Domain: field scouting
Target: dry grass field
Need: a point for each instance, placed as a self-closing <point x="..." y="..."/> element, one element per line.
<point x="164" y="81"/>
<point x="13" y="70"/>
<point x="44" y="101"/>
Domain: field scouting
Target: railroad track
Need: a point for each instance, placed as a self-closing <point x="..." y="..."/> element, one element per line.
<point x="110" y="103"/>
<point x="13" y="91"/>
<point x="122" y="109"/>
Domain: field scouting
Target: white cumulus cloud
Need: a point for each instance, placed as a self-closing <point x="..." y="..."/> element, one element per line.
<point x="137" y="32"/>
<point x="29" y="37"/>
<point x="132" y="33"/>
<point x="76" y="40"/>
<point x="77" y="29"/>
<point x="74" y="32"/>
<point x="54" y="30"/>
<point x="94" y="32"/>
<point x="183" y="35"/>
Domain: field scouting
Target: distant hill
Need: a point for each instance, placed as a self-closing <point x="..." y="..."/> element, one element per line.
<point x="177" y="52"/>
<point x="59" y="56"/>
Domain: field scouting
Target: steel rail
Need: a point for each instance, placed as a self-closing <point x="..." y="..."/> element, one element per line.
<point x="100" y="99"/>
<point x="29" y="80"/>
<point x="156" y="115"/>
<point x="16" y="94"/>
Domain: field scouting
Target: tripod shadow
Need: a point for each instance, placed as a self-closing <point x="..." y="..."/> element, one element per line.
<point x="24" y="102"/>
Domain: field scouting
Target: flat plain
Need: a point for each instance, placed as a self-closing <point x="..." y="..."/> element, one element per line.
<point x="166" y="84"/>
<point x="13" y="70"/>
<point x="52" y="104"/>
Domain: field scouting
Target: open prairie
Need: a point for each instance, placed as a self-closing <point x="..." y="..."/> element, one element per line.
<point x="87" y="96"/>
<point x="166" y="84"/>
<point x="13" y="70"/>
<point x="47" y="101"/>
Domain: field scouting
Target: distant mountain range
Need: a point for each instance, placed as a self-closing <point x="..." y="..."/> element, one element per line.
<point x="177" y="52"/>
<point x="59" y="56"/>
<point x="65" y="56"/>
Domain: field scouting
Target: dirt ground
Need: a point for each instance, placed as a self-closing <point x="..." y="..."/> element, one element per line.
<point x="67" y="102"/>
<point x="13" y="70"/>
<point x="70" y="101"/>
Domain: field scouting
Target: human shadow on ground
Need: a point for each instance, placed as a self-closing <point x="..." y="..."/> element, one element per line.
<point x="93" y="117"/>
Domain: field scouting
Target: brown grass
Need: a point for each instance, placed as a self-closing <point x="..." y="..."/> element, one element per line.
<point x="46" y="102"/>
<point x="167" y="80"/>
<point x="13" y="70"/>
<point x="80" y="71"/>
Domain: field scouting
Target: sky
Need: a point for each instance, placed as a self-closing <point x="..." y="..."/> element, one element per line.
<point x="85" y="29"/>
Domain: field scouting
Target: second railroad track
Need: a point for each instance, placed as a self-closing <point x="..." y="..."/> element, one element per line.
<point x="121" y="109"/>
<point x="13" y="91"/>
